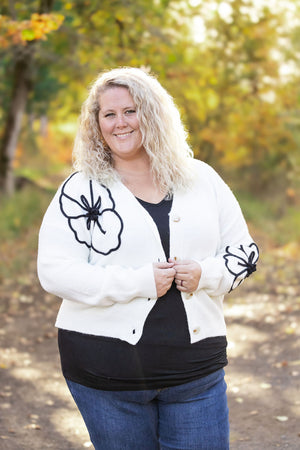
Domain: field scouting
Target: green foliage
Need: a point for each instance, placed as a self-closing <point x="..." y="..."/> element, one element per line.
<point x="234" y="96"/>
<point x="272" y="217"/>
<point x="289" y="226"/>
<point x="22" y="211"/>
<point x="20" y="219"/>
<point x="229" y="87"/>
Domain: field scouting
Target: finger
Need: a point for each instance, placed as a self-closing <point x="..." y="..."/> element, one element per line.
<point x="163" y="265"/>
<point x="170" y="272"/>
<point x="182" y="262"/>
<point x="182" y="288"/>
<point x="182" y="277"/>
<point x="182" y="269"/>
<point x="182" y="284"/>
<point x="179" y="281"/>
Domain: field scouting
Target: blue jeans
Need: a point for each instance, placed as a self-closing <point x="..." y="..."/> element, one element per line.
<point x="191" y="416"/>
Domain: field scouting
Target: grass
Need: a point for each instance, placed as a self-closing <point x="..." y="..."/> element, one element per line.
<point x="20" y="219"/>
<point x="273" y="217"/>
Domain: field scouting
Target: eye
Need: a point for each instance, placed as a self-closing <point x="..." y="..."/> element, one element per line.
<point x="130" y="111"/>
<point x="111" y="114"/>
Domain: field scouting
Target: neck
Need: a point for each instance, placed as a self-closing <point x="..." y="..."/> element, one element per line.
<point x="137" y="177"/>
<point x="134" y="167"/>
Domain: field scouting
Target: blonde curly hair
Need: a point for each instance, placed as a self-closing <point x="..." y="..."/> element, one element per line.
<point x="163" y="134"/>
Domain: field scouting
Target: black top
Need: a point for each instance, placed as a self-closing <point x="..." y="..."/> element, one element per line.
<point x="163" y="357"/>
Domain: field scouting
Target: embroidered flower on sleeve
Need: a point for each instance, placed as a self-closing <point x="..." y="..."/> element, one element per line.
<point x="92" y="218"/>
<point x="241" y="262"/>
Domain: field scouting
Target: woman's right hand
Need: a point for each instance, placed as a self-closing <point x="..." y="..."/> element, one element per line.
<point x="164" y="274"/>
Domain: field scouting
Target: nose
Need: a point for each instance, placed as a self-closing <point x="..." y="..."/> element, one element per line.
<point x="121" y="122"/>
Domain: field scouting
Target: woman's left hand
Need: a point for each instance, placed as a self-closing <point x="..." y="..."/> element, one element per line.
<point x="188" y="274"/>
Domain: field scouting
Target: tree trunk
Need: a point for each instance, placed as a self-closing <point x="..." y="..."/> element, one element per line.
<point x="21" y="86"/>
<point x="44" y="125"/>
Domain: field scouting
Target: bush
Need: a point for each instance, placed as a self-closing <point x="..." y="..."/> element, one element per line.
<point x="21" y="211"/>
<point x="20" y="219"/>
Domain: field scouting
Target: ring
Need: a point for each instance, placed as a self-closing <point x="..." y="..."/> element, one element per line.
<point x="181" y="283"/>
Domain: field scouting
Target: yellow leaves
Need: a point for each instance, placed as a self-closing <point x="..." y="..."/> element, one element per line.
<point x="212" y="99"/>
<point x="43" y="24"/>
<point x="13" y="32"/>
<point x="27" y="35"/>
<point x="236" y="156"/>
<point x="120" y="15"/>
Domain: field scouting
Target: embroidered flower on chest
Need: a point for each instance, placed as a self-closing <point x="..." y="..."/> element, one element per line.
<point x="92" y="211"/>
<point x="92" y="217"/>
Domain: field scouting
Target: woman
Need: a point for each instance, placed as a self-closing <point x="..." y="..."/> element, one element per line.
<point x="142" y="243"/>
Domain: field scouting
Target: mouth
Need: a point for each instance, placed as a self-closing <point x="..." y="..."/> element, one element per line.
<point x="123" y="135"/>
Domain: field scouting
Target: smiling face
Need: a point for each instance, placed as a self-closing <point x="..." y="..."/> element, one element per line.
<point x="119" y="125"/>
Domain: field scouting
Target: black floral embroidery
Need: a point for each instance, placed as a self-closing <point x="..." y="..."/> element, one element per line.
<point x="104" y="224"/>
<point x="241" y="262"/>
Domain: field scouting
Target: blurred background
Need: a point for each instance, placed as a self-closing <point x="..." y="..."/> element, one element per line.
<point x="233" y="68"/>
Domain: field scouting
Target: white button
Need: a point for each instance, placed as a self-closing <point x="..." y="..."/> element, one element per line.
<point x="176" y="219"/>
<point x="196" y="330"/>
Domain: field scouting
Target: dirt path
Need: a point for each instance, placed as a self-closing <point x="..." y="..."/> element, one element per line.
<point x="263" y="376"/>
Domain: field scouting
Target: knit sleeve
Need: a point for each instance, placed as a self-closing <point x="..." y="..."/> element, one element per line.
<point x="65" y="243"/>
<point x="237" y="254"/>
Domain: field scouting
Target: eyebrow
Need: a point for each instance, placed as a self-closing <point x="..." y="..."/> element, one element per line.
<point x="112" y="109"/>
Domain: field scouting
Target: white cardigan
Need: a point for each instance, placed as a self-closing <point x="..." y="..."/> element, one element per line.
<point x="97" y="246"/>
